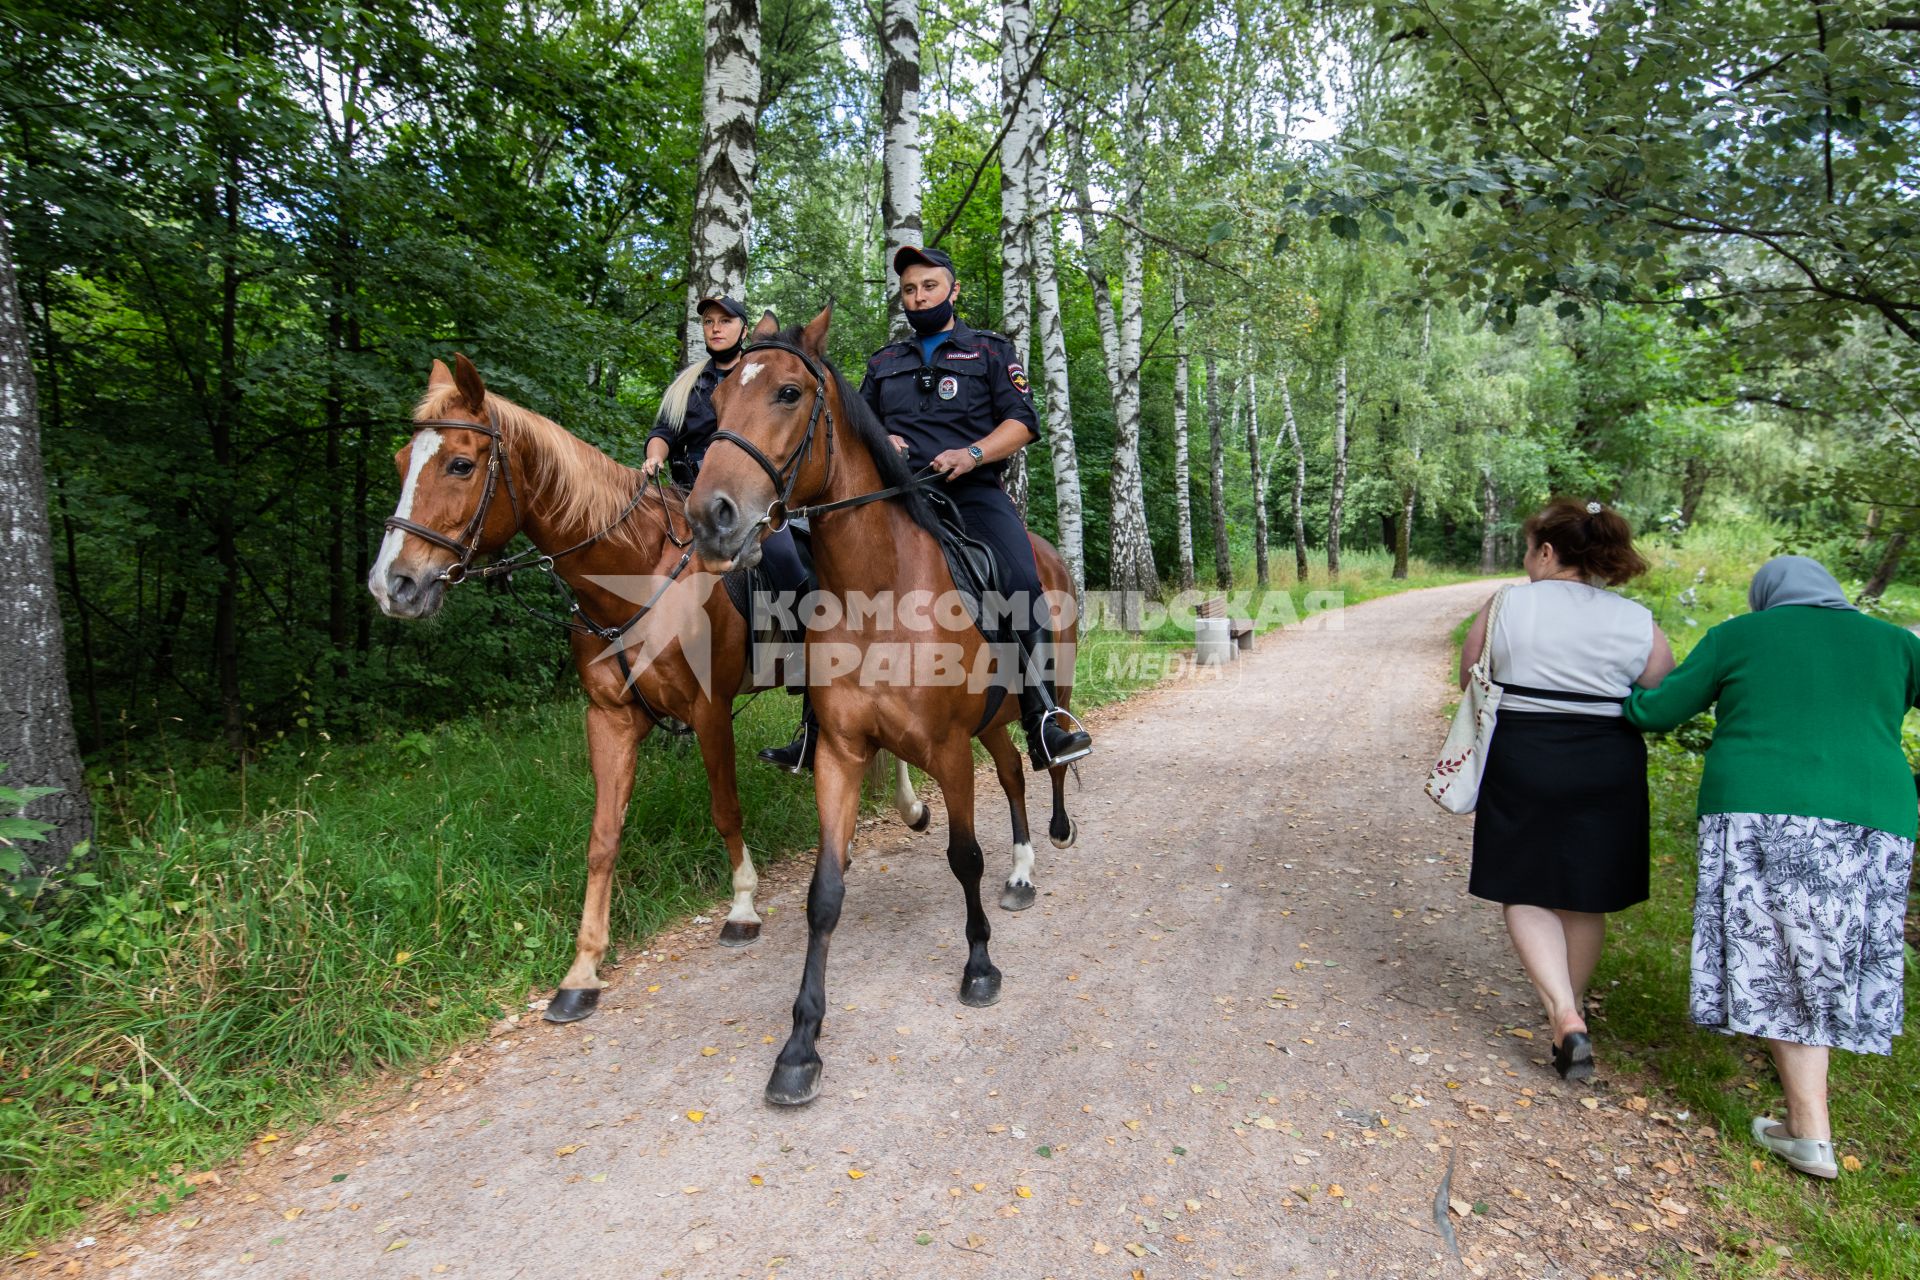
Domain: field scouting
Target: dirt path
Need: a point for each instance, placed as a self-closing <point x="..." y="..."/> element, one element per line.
<point x="1242" y="1028"/>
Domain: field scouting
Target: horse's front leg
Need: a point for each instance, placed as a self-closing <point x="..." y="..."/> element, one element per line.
<point x="713" y="724"/>
<point x="837" y="772"/>
<point x="1018" y="893"/>
<point x="952" y="768"/>
<point x="613" y="743"/>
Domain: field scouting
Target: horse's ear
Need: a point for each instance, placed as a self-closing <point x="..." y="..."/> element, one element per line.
<point x="472" y="389"/>
<point x="767" y="327"/>
<point x="813" y="338"/>
<point x="441" y="376"/>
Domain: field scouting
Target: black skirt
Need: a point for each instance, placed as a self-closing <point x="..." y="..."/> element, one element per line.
<point x="1562" y="816"/>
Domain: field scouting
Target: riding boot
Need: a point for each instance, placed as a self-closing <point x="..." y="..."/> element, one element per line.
<point x="1054" y="736"/>
<point x="798" y="754"/>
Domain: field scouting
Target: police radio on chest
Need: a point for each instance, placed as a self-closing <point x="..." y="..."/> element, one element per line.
<point x="923" y="380"/>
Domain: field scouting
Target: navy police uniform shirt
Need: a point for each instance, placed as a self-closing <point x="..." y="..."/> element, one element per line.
<point x="973" y="383"/>
<point x="688" y="446"/>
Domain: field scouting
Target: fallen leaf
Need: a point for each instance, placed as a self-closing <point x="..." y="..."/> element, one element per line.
<point x="1137" y="1250"/>
<point x="1101" y="1250"/>
<point x="756" y="1180"/>
<point x="293" y="1213"/>
<point x="1521" y="1032"/>
<point x="1591" y="1104"/>
<point x="708" y="1052"/>
<point x="569" y="1149"/>
<point x="1850" y="1163"/>
<point x="396" y="1244"/>
<point x="856" y="1174"/>
<point x="1025" y="1193"/>
<point x="1337" y="1191"/>
<point x="696" y="1116"/>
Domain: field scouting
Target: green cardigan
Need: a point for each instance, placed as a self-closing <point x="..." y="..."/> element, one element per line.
<point x="1808" y="723"/>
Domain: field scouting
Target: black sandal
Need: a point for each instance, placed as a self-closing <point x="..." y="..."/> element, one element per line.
<point x="1573" y="1056"/>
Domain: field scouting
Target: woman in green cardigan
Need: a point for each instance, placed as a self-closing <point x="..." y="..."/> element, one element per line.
<point x="1807" y="818"/>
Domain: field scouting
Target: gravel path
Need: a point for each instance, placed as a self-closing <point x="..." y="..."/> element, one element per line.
<point x="1247" y="1026"/>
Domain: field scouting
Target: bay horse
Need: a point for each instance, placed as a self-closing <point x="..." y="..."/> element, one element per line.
<point x="792" y="432"/>
<point x="599" y="528"/>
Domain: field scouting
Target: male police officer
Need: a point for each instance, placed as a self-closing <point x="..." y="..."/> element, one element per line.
<point x="956" y="401"/>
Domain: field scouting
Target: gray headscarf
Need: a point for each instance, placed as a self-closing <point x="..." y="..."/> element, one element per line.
<point x="1791" y="580"/>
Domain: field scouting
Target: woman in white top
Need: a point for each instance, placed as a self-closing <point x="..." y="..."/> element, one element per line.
<point x="1560" y="830"/>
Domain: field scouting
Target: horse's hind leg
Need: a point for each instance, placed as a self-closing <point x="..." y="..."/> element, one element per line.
<point x="1018" y="893"/>
<point x="836" y="779"/>
<point x="953" y="770"/>
<point x="915" y="812"/>
<point x="714" y="726"/>
<point x="613" y="744"/>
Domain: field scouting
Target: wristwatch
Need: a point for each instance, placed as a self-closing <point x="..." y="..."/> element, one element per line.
<point x="973" y="450"/>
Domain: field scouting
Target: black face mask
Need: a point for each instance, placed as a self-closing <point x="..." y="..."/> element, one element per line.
<point x="728" y="353"/>
<point x="933" y="319"/>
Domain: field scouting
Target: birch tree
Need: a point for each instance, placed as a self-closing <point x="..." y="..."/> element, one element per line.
<point x="1259" y="473"/>
<point x="1131" y="557"/>
<point x="37" y="743"/>
<point x="1182" y="472"/>
<point x="723" y="194"/>
<point x="1336" y="498"/>
<point x="1299" y="478"/>
<point x="900" y="156"/>
<point x="1057" y="405"/>
<point x="1217" y="474"/>
<point x="1018" y="92"/>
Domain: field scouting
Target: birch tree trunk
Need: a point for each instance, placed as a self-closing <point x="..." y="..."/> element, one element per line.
<point x="900" y="157"/>
<point x="37" y="743"/>
<point x="1217" y="475"/>
<point x="1096" y="269"/>
<point x="723" y="192"/>
<point x="1259" y="472"/>
<point x="1299" y="480"/>
<point x="1182" y="470"/>
<point x="1017" y="92"/>
<point x="1337" y="499"/>
<point x="1053" y="354"/>
<point x="1490" y="508"/>
<point x="1131" y="558"/>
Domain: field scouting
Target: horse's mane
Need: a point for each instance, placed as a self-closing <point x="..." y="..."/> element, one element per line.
<point x="872" y="435"/>
<point x="673" y="403"/>
<point x="583" y="486"/>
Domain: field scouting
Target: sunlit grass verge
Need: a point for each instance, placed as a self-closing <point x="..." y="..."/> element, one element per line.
<point x="240" y="952"/>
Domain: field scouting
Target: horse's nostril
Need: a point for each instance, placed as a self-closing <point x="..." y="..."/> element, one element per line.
<point x="721" y="512"/>
<point x="402" y="587"/>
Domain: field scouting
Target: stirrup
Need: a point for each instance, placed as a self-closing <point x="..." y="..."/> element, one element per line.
<point x="1037" y="742"/>
<point x="797" y="756"/>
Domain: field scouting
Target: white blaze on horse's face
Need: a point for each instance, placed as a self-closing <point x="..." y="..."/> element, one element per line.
<point x="426" y="443"/>
<point x="751" y="372"/>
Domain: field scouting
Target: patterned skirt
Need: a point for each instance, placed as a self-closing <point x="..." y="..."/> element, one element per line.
<point x="1797" y="930"/>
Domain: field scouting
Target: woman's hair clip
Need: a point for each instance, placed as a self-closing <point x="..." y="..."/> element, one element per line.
<point x="1593" y="508"/>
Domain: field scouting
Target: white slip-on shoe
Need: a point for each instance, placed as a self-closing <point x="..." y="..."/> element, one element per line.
<point x="1812" y="1156"/>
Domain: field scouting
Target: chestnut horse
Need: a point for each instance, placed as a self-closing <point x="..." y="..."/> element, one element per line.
<point x="792" y="432"/>
<point x="596" y="526"/>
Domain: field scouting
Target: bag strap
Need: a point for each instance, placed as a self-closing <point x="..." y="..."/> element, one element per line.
<point x="1486" y="641"/>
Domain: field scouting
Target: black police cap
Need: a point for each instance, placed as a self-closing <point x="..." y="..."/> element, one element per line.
<point x="910" y="255"/>
<point x="727" y="305"/>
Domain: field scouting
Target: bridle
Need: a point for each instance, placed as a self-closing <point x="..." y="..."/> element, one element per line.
<point x="787" y="474"/>
<point x="467" y="545"/>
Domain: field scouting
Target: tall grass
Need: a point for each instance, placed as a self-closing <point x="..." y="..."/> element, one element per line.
<point x="246" y="945"/>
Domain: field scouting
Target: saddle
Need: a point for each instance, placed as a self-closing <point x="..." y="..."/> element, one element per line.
<point x="975" y="568"/>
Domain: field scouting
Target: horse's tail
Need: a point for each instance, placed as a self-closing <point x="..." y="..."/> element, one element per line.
<point x="673" y="403"/>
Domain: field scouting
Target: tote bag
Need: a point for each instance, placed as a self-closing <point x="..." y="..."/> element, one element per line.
<point x="1454" y="783"/>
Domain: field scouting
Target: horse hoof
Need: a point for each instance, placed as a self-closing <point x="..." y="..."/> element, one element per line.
<point x="1066" y="841"/>
<point x="570" y="1004"/>
<point x="982" y="991"/>
<point x="793" y="1086"/>
<point x="1016" y="897"/>
<point x="739" y="933"/>
<point x="925" y="819"/>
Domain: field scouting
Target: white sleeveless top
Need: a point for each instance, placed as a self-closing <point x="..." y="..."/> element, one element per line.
<point x="1558" y="634"/>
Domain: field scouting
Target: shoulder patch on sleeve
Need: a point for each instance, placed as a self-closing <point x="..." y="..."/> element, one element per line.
<point x="1018" y="375"/>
